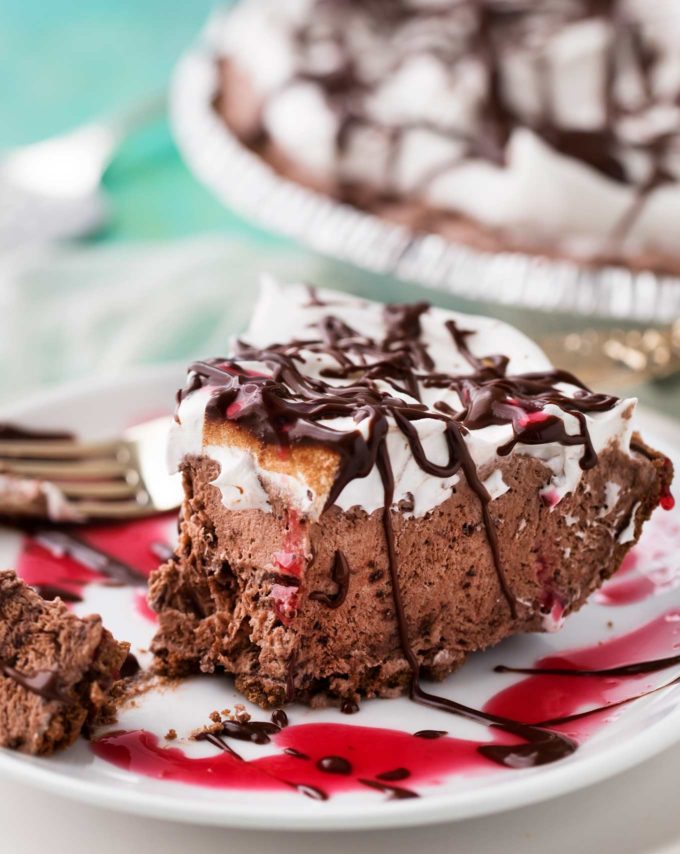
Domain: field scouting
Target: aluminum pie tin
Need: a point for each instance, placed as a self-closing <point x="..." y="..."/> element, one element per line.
<point x="244" y="182"/>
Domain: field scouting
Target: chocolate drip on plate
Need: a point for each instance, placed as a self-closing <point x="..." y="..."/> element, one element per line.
<point x="396" y="793"/>
<point x="334" y="765"/>
<point x="259" y="732"/>
<point x="559" y="721"/>
<point x="279" y="718"/>
<point x="296" y="754"/>
<point x="394" y="776"/>
<point x="217" y="741"/>
<point x="638" y="668"/>
<point x="313" y="792"/>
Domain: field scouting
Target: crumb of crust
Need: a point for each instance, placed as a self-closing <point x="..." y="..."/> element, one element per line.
<point x="214" y="729"/>
<point x="171" y="735"/>
<point x="226" y="713"/>
<point x="215" y="716"/>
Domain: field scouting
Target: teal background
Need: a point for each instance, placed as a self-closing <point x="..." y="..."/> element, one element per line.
<point x="64" y="62"/>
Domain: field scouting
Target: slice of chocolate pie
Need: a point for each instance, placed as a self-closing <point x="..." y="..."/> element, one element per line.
<point x="374" y="492"/>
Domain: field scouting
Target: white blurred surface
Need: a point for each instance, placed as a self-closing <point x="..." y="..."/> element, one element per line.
<point x="634" y="813"/>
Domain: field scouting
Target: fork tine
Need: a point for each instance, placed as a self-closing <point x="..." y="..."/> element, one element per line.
<point x="60" y="470"/>
<point x="113" y="509"/>
<point x="111" y="490"/>
<point x="39" y="449"/>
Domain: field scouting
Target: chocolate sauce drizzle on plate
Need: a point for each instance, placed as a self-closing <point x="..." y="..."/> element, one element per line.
<point x="216" y="740"/>
<point x="638" y="668"/>
<point x="396" y="793"/>
<point x="334" y="765"/>
<point x="219" y="740"/>
<point x="279" y="718"/>
<point x="394" y="775"/>
<point x="296" y="754"/>
<point x="565" y="719"/>
<point x="259" y="732"/>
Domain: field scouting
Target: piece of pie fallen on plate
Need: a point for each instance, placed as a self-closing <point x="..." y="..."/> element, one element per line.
<point x="375" y="491"/>
<point x="56" y="669"/>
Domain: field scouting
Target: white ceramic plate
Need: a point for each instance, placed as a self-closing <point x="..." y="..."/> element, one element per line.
<point x="621" y="739"/>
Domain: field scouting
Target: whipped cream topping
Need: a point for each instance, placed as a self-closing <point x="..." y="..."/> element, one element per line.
<point x="556" y="123"/>
<point x="296" y="313"/>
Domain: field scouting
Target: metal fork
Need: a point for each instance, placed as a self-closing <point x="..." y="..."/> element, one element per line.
<point x="70" y="480"/>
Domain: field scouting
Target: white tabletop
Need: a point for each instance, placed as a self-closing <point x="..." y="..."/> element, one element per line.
<point x="636" y="812"/>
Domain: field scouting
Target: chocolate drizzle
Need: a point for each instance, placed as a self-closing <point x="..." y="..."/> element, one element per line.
<point x="259" y="732"/>
<point x="313" y="792"/>
<point x="296" y="754"/>
<point x="349" y="707"/>
<point x="638" y="668"/>
<point x="45" y="683"/>
<point x="334" y="765"/>
<point x="565" y="719"/>
<point x="340" y="576"/>
<point x="216" y="740"/>
<point x="50" y="592"/>
<point x="396" y="793"/>
<point x="279" y="718"/>
<point x="394" y="775"/>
